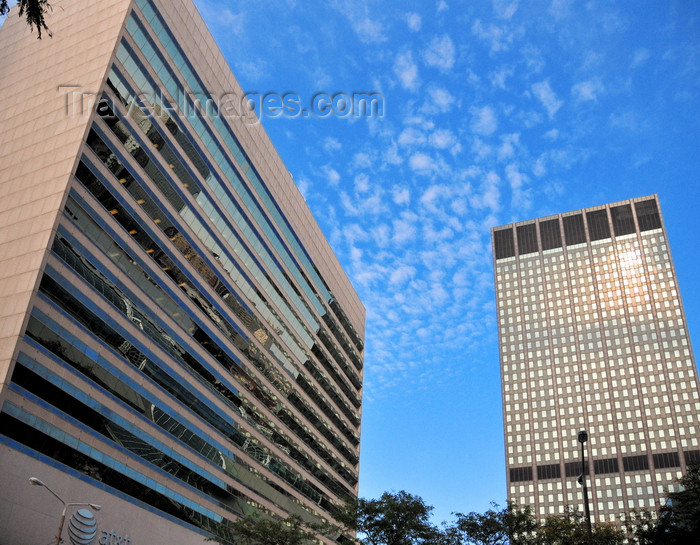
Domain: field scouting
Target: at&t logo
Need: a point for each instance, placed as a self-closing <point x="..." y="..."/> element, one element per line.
<point x="82" y="530"/>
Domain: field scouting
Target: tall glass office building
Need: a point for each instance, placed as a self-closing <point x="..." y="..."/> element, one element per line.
<point x="593" y="337"/>
<point x="178" y="343"/>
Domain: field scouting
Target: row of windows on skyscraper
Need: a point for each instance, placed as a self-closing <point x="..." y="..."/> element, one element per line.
<point x="604" y="466"/>
<point x="574" y="229"/>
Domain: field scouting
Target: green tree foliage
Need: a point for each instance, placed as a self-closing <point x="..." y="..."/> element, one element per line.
<point x="34" y="11"/>
<point x="679" y="519"/>
<point x="258" y="530"/>
<point x="640" y="527"/>
<point x="404" y="519"/>
<point x="515" y="526"/>
<point x="572" y="528"/>
<point x="510" y="525"/>
<point x="264" y="531"/>
<point x="394" y="519"/>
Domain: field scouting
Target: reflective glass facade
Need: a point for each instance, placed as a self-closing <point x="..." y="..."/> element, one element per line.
<point x="191" y="345"/>
<point x="593" y="336"/>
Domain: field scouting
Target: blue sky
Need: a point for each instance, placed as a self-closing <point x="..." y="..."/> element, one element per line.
<point x="495" y="111"/>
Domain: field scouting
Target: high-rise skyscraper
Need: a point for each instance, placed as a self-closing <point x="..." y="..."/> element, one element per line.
<point x="593" y="337"/>
<point x="178" y="343"/>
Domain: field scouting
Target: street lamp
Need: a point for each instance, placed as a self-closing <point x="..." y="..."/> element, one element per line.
<point x="37" y="482"/>
<point x="582" y="438"/>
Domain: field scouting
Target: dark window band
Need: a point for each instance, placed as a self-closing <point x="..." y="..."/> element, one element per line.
<point x="551" y="471"/>
<point x="648" y="215"/>
<point x="574" y="232"/>
<point x="623" y="221"/>
<point x="504" y="243"/>
<point x="598" y="226"/>
<point x="519" y="474"/>
<point x="550" y="234"/>
<point x="527" y="239"/>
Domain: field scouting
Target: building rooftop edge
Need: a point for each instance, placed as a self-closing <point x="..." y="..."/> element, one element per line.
<point x="572" y="212"/>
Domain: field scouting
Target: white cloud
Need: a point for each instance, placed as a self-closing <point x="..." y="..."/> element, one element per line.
<point x="484" y="121"/>
<point x="460" y="206"/>
<point x="505" y="9"/>
<point x="480" y="148"/>
<point x="521" y="196"/>
<point x="534" y="58"/>
<point x="498" y="78"/>
<point x="508" y="144"/>
<point x="442" y="6"/>
<point x="441" y="100"/>
<point x="442" y="139"/>
<point x="440" y="53"/>
<point x="592" y="61"/>
<point x="548" y="98"/>
<point x="401" y="275"/>
<point x="438" y="294"/>
<point x="641" y="160"/>
<point x="498" y="37"/>
<point x="411" y="136"/>
<point x="640" y="57"/>
<point x="539" y="169"/>
<point x="381" y="235"/>
<point x="614" y="23"/>
<point x="331" y="174"/>
<point x="404" y="230"/>
<point x="414" y="21"/>
<point x="560" y="9"/>
<point x="304" y="186"/>
<point x="422" y="163"/>
<point x="362" y="183"/>
<point x="355" y="253"/>
<point x="627" y="120"/>
<point x="373" y="204"/>
<point x="401" y="195"/>
<point x="432" y="194"/>
<point x="353" y="234"/>
<point x="369" y="30"/>
<point x="350" y="208"/>
<point x="585" y="91"/>
<point x="365" y="24"/>
<point x="330" y="143"/>
<point x="552" y="134"/>
<point x="490" y="194"/>
<point x="365" y="276"/>
<point x="391" y="154"/>
<point x="362" y="160"/>
<point x="421" y="121"/>
<point x="406" y="70"/>
<point x="554" y="161"/>
<point x="433" y="236"/>
<point x="253" y="71"/>
<point x="234" y="22"/>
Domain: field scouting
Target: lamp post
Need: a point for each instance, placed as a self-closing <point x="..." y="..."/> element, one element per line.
<point x="582" y="438"/>
<point x="37" y="482"/>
